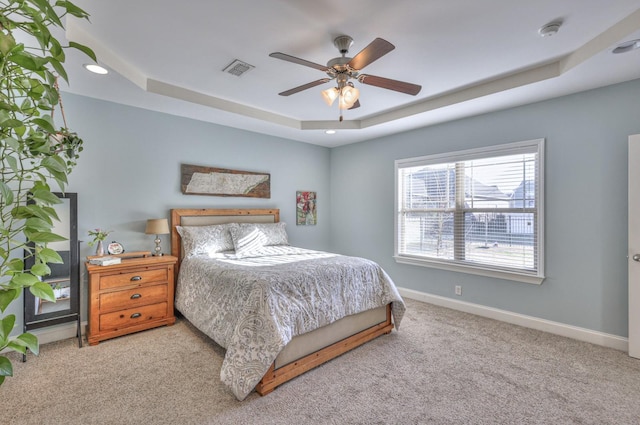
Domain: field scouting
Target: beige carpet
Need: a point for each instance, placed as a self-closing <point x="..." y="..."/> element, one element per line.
<point x="443" y="367"/>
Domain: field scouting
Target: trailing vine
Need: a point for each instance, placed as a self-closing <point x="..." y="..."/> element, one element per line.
<point x="33" y="153"/>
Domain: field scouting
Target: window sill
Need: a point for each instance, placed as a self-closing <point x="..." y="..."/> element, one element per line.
<point x="464" y="268"/>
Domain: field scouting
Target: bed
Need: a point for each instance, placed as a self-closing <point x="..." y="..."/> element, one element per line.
<point x="278" y="310"/>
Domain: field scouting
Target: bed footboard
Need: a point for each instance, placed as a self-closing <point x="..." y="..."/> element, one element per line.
<point x="275" y="377"/>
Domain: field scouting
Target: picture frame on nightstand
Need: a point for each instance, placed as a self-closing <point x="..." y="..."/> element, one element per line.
<point x="115" y="248"/>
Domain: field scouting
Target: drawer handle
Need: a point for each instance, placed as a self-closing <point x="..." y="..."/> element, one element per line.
<point x="135" y="315"/>
<point x="136" y="278"/>
<point x="136" y="296"/>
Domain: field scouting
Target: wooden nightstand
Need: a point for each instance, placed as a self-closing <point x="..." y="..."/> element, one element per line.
<point x="132" y="296"/>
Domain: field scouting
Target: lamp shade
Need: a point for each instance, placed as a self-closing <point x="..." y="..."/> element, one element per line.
<point x="330" y="95"/>
<point x="157" y="226"/>
<point x="349" y="97"/>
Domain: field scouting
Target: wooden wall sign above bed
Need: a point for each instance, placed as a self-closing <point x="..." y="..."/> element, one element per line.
<point x="198" y="180"/>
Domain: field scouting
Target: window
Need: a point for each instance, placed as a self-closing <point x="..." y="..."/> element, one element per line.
<point x="475" y="211"/>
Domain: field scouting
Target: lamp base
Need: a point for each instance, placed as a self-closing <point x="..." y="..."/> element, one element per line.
<point x="157" y="250"/>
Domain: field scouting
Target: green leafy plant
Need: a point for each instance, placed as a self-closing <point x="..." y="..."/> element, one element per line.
<point x="98" y="235"/>
<point x="33" y="152"/>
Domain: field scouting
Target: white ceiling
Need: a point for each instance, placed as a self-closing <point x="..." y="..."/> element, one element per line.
<point x="469" y="56"/>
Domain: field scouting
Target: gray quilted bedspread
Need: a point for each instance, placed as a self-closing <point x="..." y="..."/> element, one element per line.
<point x="254" y="306"/>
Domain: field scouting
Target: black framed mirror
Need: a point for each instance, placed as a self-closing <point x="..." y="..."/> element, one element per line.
<point x="64" y="278"/>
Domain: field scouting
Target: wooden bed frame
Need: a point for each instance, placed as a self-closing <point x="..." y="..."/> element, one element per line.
<point x="279" y="374"/>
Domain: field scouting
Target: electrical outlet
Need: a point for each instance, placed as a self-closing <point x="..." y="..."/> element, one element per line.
<point x="458" y="290"/>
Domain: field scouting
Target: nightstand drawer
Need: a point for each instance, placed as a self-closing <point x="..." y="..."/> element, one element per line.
<point x="131" y="298"/>
<point x="133" y="278"/>
<point x="132" y="316"/>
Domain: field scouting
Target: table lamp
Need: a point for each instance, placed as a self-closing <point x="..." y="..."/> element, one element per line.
<point x="157" y="226"/>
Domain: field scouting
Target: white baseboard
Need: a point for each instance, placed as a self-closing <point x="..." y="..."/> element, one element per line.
<point x="557" y="328"/>
<point x="55" y="333"/>
<point x="58" y="332"/>
<point x="68" y="330"/>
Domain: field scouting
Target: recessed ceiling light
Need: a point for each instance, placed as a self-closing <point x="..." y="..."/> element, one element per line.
<point x="96" y="69"/>
<point x="330" y="132"/>
<point x="627" y="46"/>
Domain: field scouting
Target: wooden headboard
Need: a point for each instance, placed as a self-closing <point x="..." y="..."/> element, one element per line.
<point x="207" y="216"/>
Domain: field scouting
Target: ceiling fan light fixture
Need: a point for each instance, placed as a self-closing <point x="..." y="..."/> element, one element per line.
<point x="330" y="95"/>
<point x="344" y="68"/>
<point x="349" y="96"/>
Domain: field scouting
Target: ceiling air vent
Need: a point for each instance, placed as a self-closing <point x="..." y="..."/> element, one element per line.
<point x="237" y="68"/>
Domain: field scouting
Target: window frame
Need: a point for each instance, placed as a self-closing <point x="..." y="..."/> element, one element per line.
<point x="528" y="146"/>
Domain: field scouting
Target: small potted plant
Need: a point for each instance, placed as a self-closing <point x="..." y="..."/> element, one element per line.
<point x="57" y="291"/>
<point x="99" y="236"/>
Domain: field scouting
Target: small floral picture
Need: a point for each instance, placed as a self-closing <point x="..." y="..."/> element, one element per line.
<point x="306" y="208"/>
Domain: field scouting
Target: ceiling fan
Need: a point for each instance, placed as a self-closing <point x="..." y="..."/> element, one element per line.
<point x="343" y="69"/>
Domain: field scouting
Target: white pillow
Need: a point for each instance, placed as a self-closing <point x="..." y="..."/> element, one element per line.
<point x="210" y="239"/>
<point x="250" y="237"/>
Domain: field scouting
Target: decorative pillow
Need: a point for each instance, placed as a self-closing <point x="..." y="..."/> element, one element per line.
<point x="210" y="239"/>
<point x="250" y="237"/>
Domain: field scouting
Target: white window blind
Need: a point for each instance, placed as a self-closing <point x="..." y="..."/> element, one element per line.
<point x="476" y="211"/>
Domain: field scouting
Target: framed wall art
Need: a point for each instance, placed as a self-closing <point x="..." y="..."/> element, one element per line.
<point x="306" y="214"/>
<point x="199" y="180"/>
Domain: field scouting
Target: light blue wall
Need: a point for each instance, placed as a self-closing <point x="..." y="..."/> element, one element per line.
<point x="586" y="205"/>
<point x="129" y="171"/>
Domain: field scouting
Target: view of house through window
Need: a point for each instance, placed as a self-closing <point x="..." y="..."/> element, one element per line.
<point x="478" y="208"/>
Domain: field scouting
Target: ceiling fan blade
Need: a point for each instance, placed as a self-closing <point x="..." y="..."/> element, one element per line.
<point x="374" y="51"/>
<point x="386" y="83"/>
<point x="304" y="87"/>
<point x="356" y="105"/>
<point x="299" y="61"/>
